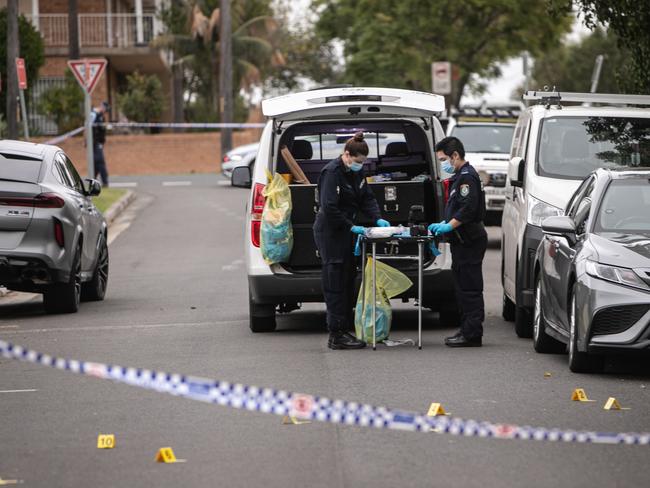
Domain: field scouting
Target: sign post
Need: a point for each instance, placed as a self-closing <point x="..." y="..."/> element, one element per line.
<point x="441" y="77"/>
<point x="22" y="86"/>
<point x="88" y="72"/>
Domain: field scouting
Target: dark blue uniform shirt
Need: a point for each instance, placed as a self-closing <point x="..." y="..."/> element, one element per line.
<point x="466" y="202"/>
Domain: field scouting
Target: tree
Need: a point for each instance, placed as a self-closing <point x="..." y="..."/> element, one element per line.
<point x="64" y="104"/>
<point x="569" y="67"/>
<point x="143" y="100"/>
<point x="629" y="19"/>
<point x="31" y="49"/>
<point x="393" y="42"/>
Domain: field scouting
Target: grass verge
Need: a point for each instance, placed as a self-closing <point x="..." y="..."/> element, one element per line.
<point x="108" y="197"/>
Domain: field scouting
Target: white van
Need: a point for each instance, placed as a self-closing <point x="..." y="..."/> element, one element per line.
<point x="401" y="129"/>
<point x="554" y="148"/>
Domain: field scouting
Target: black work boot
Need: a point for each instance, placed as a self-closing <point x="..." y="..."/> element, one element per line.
<point x="344" y="340"/>
<point x="462" y="341"/>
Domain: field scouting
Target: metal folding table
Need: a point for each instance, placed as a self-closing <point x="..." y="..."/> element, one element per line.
<point x="421" y="241"/>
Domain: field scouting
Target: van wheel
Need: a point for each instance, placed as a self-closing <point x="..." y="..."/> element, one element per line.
<point x="581" y="362"/>
<point x="65" y="297"/>
<point x="523" y="323"/>
<point x="262" y="316"/>
<point x="542" y="342"/>
<point x="507" y="308"/>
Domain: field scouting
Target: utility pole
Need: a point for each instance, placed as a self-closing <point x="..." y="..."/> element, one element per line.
<point x="73" y="30"/>
<point x="225" y="75"/>
<point x="13" y="48"/>
<point x="595" y="77"/>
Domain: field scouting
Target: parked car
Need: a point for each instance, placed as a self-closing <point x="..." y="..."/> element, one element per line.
<point x="487" y="137"/>
<point x="555" y="146"/>
<point x="401" y="128"/>
<point x="592" y="270"/>
<point x="239" y="156"/>
<point x="52" y="237"/>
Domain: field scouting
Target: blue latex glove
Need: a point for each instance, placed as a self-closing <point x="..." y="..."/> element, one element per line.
<point x="434" y="227"/>
<point x="383" y="223"/>
<point x="357" y="247"/>
<point x="443" y="228"/>
<point x="357" y="229"/>
<point x="434" y="250"/>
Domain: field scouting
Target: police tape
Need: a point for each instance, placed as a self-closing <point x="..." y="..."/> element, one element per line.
<point x="307" y="407"/>
<point x="63" y="137"/>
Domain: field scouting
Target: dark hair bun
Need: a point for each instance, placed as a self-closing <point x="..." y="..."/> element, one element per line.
<point x="358" y="137"/>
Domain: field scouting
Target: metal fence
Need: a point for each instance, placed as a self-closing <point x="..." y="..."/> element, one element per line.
<point x="39" y="123"/>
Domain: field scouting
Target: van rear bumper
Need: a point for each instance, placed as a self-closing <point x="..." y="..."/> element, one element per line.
<point x="288" y="288"/>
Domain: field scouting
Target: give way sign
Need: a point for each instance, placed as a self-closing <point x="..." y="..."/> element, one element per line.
<point x="87" y="71"/>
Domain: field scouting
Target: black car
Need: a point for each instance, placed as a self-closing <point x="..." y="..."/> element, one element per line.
<point x="592" y="272"/>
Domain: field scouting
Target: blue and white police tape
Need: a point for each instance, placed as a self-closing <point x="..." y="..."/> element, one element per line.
<point x="63" y="137"/>
<point x="185" y="125"/>
<point x="308" y="407"/>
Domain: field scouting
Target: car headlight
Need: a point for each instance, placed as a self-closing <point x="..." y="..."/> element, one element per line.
<point x="622" y="276"/>
<point x="538" y="211"/>
<point x="236" y="157"/>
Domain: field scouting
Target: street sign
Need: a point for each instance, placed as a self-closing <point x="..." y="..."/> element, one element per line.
<point x="22" y="74"/>
<point x="441" y="76"/>
<point x="87" y="71"/>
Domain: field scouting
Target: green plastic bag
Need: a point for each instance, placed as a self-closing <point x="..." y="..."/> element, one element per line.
<point x="390" y="283"/>
<point x="276" y="233"/>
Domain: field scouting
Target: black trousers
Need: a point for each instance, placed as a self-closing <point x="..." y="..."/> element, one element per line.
<point x="467" y="267"/>
<point x="338" y="280"/>
<point x="100" y="163"/>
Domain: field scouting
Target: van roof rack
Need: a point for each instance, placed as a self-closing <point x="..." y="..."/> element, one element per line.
<point x="556" y="98"/>
<point x="471" y="114"/>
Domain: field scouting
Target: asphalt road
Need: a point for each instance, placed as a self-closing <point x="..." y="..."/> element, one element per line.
<point x="177" y="301"/>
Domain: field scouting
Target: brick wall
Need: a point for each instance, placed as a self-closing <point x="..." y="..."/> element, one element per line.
<point x="159" y="153"/>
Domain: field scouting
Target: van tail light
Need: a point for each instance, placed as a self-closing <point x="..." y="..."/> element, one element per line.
<point x="256" y="213"/>
<point x="58" y="232"/>
<point x="43" y="200"/>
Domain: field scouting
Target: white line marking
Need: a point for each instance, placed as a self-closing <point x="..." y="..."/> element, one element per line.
<point x="224" y="183"/>
<point x="126" y="184"/>
<point x="16" y="391"/>
<point x="176" y="183"/>
<point x="125" y="327"/>
<point x="8" y="326"/>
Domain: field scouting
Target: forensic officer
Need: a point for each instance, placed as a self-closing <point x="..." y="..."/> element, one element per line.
<point x="343" y="193"/>
<point x="99" y="139"/>
<point x="464" y="230"/>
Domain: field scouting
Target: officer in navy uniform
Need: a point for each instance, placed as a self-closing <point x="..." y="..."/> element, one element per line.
<point x="99" y="139"/>
<point x="343" y="194"/>
<point x="463" y="229"/>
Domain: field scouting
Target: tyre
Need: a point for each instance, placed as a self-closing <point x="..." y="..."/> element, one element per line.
<point x="262" y="316"/>
<point x="95" y="289"/>
<point x="523" y="323"/>
<point x="542" y="342"/>
<point x="65" y="297"/>
<point x="581" y="362"/>
<point x="507" y="308"/>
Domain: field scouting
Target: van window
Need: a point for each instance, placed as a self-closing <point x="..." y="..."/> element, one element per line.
<point x="573" y="147"/>
<point x="330" y="146"/>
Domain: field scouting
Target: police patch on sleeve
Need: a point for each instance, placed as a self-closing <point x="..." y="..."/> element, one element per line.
<point x="464" y="190"/>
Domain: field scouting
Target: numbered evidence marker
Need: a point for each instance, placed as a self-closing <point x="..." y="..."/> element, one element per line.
<point x="166" y="455"/>
<point x="612" y="404"/>
<point x="579" y="395"/>
<point x="291" y="420"/>
<point x="9" y="482"/>
<point x="436" y="409"/>
<point x="105" y="441"/>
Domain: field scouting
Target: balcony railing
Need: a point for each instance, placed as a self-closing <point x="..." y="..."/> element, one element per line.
<point x="99" y="30"/>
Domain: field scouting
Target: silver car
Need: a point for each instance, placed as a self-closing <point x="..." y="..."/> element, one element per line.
<point x="592" y="271"/>
<point x="53" y="240"/>
<point x="239" y="156"/>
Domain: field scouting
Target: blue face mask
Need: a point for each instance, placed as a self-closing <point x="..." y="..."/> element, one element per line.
<point x="447" y="167"/>
<point x="354" y="166"/>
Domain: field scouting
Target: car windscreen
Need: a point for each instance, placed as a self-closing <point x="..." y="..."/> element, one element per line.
<point x="485" y="138"/>
<point x="19" y="168"/>
<point x="625" y="208"/>
<point x="573" y="147"/>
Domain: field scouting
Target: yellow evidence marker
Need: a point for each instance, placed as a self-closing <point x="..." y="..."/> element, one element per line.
<point x="436" y="409"/>
<point x="9" y="482"/>
<point x="612" y="404"/>
<point x="579" y="395"/>
<point x="105" y="441"/>
<point x="291" y="420"/>
<point x="165" y="455"/>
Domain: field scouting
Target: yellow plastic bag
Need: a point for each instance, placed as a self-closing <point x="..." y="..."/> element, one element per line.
<point x="390" y="283"/>
<point x="276" y="233"/>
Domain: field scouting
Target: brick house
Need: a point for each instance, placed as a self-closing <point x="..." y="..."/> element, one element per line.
<point x="119" y="30"/>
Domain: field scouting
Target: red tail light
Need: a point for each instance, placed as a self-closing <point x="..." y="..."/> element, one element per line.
<point x="256" y="213"/>
<point x="58" y="233"/>
<point x="44" y="200"/>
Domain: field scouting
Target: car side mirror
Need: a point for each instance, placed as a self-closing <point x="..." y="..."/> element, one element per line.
<point x="93" y="187"/>
<point x="241" y="177"/>
<point x="516" y="171"/>
<point x="560" y="225"/>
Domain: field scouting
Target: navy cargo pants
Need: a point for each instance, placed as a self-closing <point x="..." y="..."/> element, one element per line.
<point x="467" y="267"/>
